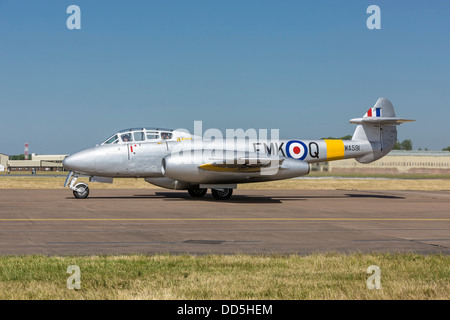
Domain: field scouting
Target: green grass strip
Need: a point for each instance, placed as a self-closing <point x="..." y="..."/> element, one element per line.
<point x="239" y="276"/>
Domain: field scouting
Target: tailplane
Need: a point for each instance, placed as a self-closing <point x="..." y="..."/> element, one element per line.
<point x="379" y="127"/>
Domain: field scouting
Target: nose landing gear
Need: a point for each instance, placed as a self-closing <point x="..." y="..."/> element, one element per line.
<point x="80" y="190"/>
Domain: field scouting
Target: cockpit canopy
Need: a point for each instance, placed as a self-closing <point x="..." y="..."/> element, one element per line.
<point x="146" y="135"/>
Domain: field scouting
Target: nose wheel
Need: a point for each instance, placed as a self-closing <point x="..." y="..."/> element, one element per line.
<point x="81" y="191"/>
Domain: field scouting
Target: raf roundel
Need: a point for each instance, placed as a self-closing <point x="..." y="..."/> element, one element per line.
<point x="296" y="149"/>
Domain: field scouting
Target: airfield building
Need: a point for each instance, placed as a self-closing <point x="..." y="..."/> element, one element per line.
<point x="397" y="162"/>
<point x="37" y="162"/>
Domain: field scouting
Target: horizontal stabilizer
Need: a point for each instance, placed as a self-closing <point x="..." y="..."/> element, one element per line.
<point x="383" y="120"/>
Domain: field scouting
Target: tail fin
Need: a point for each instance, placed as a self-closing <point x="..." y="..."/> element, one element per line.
<point x="379" y="127"/>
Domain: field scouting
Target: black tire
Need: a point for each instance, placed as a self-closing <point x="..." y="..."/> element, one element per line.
<point x="222" y="194"/>
<point x="198" y="192"/>
<point x="84" y="193"/>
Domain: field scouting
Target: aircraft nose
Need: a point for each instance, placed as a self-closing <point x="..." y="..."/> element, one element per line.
<point x="81" y="162"/>
<point x="68" y="163"/>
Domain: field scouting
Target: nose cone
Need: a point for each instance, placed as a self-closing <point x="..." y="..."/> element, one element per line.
<point x="82" y="162"/>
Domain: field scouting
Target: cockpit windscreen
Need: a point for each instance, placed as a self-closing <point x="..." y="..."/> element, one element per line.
<point x="139" y="135"/>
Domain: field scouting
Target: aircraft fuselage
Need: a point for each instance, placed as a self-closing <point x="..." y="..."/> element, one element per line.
<point x="145" y="159"/>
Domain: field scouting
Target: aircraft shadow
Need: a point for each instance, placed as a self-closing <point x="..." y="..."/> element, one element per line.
<point x="183" y="196"/>
<point x="379" y="196"/>
<point x="179" y="196"/>
<point x="288" y="197"/>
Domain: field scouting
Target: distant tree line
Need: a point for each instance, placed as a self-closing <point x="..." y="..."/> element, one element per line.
<point x="17" y="157"/>
<point x="347" y="137"/>
<point x="404" y="145"/>
<point x="407" y="145"/>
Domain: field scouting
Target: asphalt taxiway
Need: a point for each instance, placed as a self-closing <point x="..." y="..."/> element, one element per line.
<point x="53" y="222"/>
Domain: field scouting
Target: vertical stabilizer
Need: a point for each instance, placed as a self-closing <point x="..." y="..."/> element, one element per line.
<point x="379" y="127"/>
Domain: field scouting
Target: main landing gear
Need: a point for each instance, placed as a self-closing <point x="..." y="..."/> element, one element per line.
<point x="198" y="192"/>
<point x="218" y="194"/>
<point x="222" y="194"/>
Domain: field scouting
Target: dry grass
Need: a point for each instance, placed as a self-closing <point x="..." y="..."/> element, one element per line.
<point x="58" y="183"/>
<point x="317" y="276"/>
<point x="354" y="184"/>
<point x="290" y="184"/>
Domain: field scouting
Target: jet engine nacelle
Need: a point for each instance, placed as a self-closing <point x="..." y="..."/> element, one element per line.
<point x="168" y="183"/>
<point x="188" y="166"/>
<point x="291" y="168"/>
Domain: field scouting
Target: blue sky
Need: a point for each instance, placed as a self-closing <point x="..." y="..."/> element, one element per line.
<point x="304" y="67"/>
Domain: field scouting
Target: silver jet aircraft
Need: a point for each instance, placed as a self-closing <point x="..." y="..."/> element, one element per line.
<point x="175" y="159"/>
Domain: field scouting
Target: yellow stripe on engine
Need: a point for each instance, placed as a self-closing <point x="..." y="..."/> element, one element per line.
<point x="335" y="149"/>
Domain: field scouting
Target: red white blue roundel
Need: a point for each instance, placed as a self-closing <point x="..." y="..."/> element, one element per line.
<point x="296" y="149"/>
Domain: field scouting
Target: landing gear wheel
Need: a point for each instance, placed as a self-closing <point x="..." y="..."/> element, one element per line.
<point x="222" y="194"/>
<point x="198" y="192"/>
<point x="81" y="191"/>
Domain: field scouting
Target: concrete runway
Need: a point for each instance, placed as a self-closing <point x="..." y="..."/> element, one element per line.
<point x="52" y="222"/>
